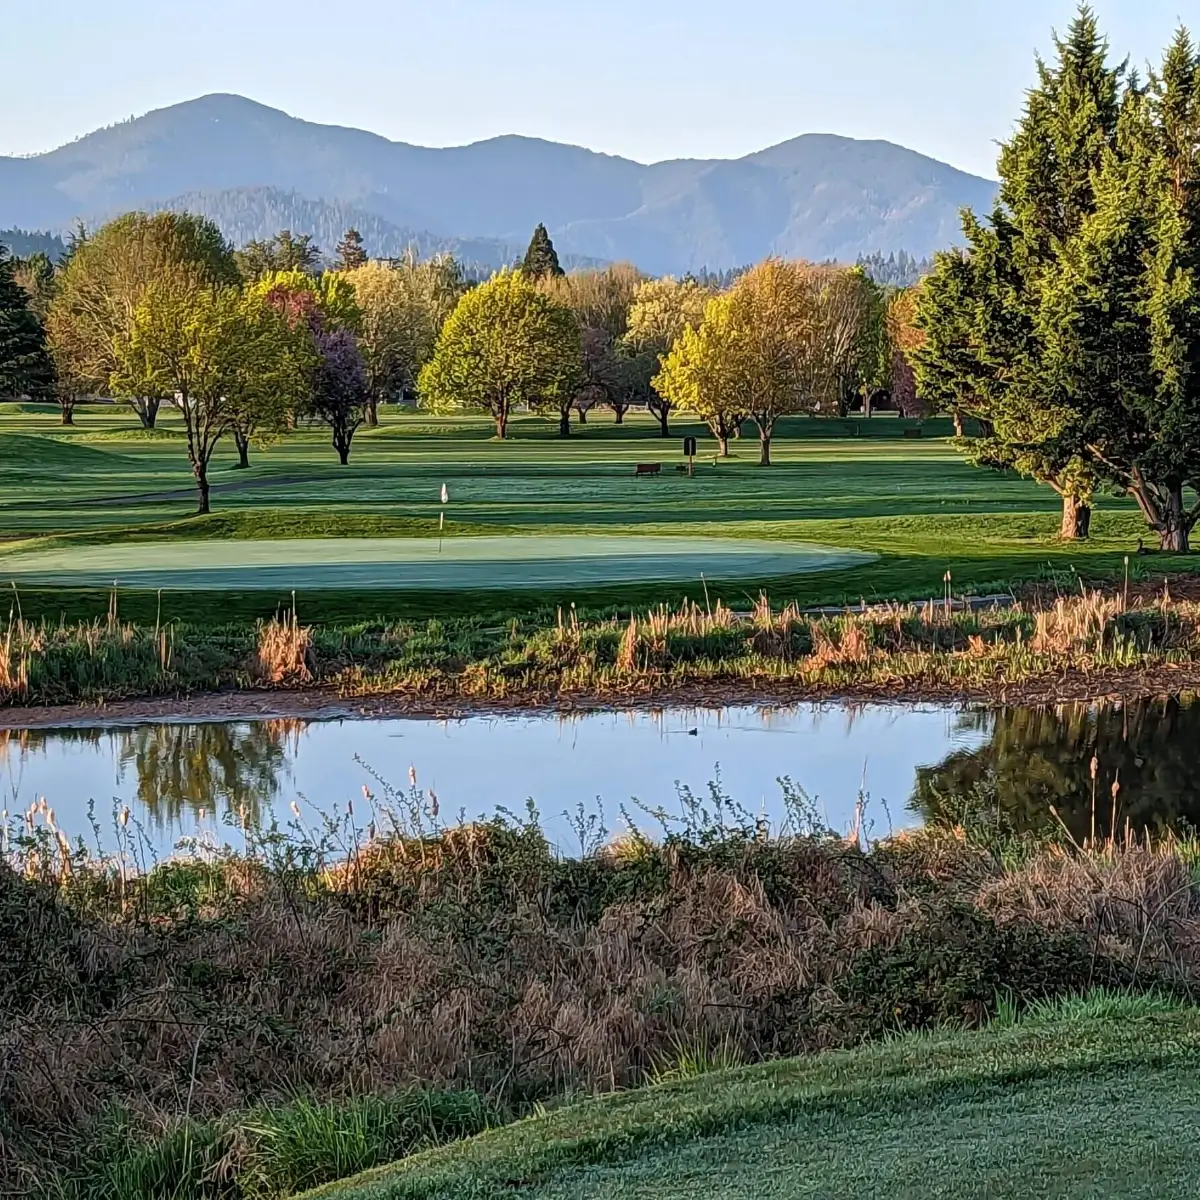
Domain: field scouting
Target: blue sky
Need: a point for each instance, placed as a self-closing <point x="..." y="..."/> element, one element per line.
<point x="649" y="79"/>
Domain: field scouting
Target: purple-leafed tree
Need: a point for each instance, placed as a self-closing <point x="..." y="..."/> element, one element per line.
<point x="340" y="396"/>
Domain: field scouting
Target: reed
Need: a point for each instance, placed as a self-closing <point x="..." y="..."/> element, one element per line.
<point x="261" y="1020"/>
<point x="912" y="647"/>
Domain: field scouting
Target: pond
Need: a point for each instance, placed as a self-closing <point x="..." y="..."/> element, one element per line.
<point x="914" y="763"/>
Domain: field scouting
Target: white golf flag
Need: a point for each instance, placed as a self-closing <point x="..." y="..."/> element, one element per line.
<point x="445" y="494"/>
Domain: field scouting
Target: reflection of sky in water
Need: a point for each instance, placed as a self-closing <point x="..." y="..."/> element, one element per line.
<point x="606" y="758"/>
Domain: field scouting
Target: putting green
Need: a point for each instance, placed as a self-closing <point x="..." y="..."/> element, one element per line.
<point x="418" y="563"/>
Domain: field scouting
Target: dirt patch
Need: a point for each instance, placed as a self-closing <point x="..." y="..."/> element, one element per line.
<point x="327" y="704"/>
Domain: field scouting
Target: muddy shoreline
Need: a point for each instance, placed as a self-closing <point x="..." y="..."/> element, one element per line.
<point x="318" y="704"/>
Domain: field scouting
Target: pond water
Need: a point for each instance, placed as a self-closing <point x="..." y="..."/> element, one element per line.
<point x="913" y="762"/>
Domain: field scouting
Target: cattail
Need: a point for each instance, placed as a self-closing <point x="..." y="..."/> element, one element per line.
<point x="412" y="775"/>
<point x="350" y="808"/>
<point x="433" y="802"/>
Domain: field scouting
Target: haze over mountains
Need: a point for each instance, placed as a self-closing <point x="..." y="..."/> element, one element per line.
<point x="255" y="170"/>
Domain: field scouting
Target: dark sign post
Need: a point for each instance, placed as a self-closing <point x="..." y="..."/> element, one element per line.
<point x="689" y="448"/>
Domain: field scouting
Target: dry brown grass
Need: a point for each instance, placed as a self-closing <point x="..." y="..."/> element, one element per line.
<point x="284" y="652"/>
<point x="476" y="957"/>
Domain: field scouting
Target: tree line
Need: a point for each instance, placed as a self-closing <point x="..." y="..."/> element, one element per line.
<point x="156" y="309"/>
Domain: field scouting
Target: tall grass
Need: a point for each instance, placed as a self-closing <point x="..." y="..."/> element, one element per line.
<point x="228" y="1022"/>
<point x="930" y="646"/>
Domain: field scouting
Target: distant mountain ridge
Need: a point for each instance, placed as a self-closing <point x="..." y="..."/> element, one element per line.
<point x="818" y="196"/>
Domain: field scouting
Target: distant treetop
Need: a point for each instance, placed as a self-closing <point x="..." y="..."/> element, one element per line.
<point x="541" y="259"/>
<point x="350" y="251"/>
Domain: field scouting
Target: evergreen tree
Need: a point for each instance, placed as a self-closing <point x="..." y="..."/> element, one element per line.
<point x="983" y="354"/>
<point x="25" y="366"/>
<point x="541" y="259"/>
<point x="350" y="252"/>
<point x="1121" y="315"/>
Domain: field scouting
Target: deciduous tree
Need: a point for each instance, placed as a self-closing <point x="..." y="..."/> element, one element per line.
<point x="759" y="350"/>
<point x="505" y="344"/>
<point x="105" y="279"/>
<point x="661" y="310"/>
<point x="340" y="397"/>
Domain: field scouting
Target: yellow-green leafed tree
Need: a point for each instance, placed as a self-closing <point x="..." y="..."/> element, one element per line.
<point x="398" y="328"/>
<point x="224" y="358"/>
<point x="758" y="351"/>
<point x="105" y="280"/>
<point x="332" y="293"/>
<point x="700" y="373"/>
<point x="506" y="344"/>
<point x="661" y="310"/>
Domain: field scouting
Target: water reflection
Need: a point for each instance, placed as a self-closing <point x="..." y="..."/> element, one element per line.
<point x="1034" y="758"/>
<point x="233" y="769"/>
<point x="185" y="779"/>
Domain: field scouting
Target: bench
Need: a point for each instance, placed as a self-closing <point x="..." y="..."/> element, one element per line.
<point x="649" y="469"/>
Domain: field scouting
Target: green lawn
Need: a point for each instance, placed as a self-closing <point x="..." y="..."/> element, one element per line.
<point x="914" y="505"/>
<point x="1072" y="1107"/>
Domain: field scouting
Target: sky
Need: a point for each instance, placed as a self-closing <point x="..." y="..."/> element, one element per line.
<point x="647" y="79"/>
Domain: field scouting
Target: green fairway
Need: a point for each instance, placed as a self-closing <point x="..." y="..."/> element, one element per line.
<point x="1069" y="1108"/>
<point x="463" y="562"/>
<point x="902" y="511"/>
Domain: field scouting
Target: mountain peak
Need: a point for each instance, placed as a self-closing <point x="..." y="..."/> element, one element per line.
<point x="816" y="196"/>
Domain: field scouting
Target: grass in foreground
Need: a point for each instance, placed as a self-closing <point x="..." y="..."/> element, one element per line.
<point x="1070" y="1104"/>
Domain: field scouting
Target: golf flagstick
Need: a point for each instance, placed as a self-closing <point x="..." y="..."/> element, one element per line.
<point x="442" y="515"/>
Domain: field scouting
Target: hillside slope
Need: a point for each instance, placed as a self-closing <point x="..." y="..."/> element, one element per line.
<point x="817" y="196"/>
<point x="1003" y="1115"/>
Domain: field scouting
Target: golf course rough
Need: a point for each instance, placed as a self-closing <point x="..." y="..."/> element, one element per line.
<point x="421" y="563"/>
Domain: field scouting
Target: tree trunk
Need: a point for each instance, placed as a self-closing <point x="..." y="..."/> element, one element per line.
<point x="373" y="411"/>
<point x="958" y="424"/>
<point x="582" y="415"/>
<point x="1076" y="519"/>
<point x="343" y="452"/>
<point x="68" y="413"/>
<point x="723" y="445"/>
<point x="764" y="458"/>
<point x="147" y="410"/>
<point x="664" y="428"/>
<point x="867" y="402"/>
<point x="242" y="442"/>
<point x="564" y="423"/>
<point x="1173" y="530"/>
<point x="502" y="423"/>
<point x="619" y="414"/>
<point x="202" y="489"/>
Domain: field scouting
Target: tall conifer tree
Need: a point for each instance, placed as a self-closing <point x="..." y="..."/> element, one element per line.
<point x="25" y="366"/>
<point x="541" y="259"/>
<point x="983" y="355"/>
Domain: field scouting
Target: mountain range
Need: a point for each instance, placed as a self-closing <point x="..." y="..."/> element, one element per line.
<point x="255" y="170"/>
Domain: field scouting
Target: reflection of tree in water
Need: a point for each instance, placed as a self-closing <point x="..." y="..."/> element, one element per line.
<point x="222" y="768"/>
<point x="227" y="768"/>
<point x="1038" y="757"/>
